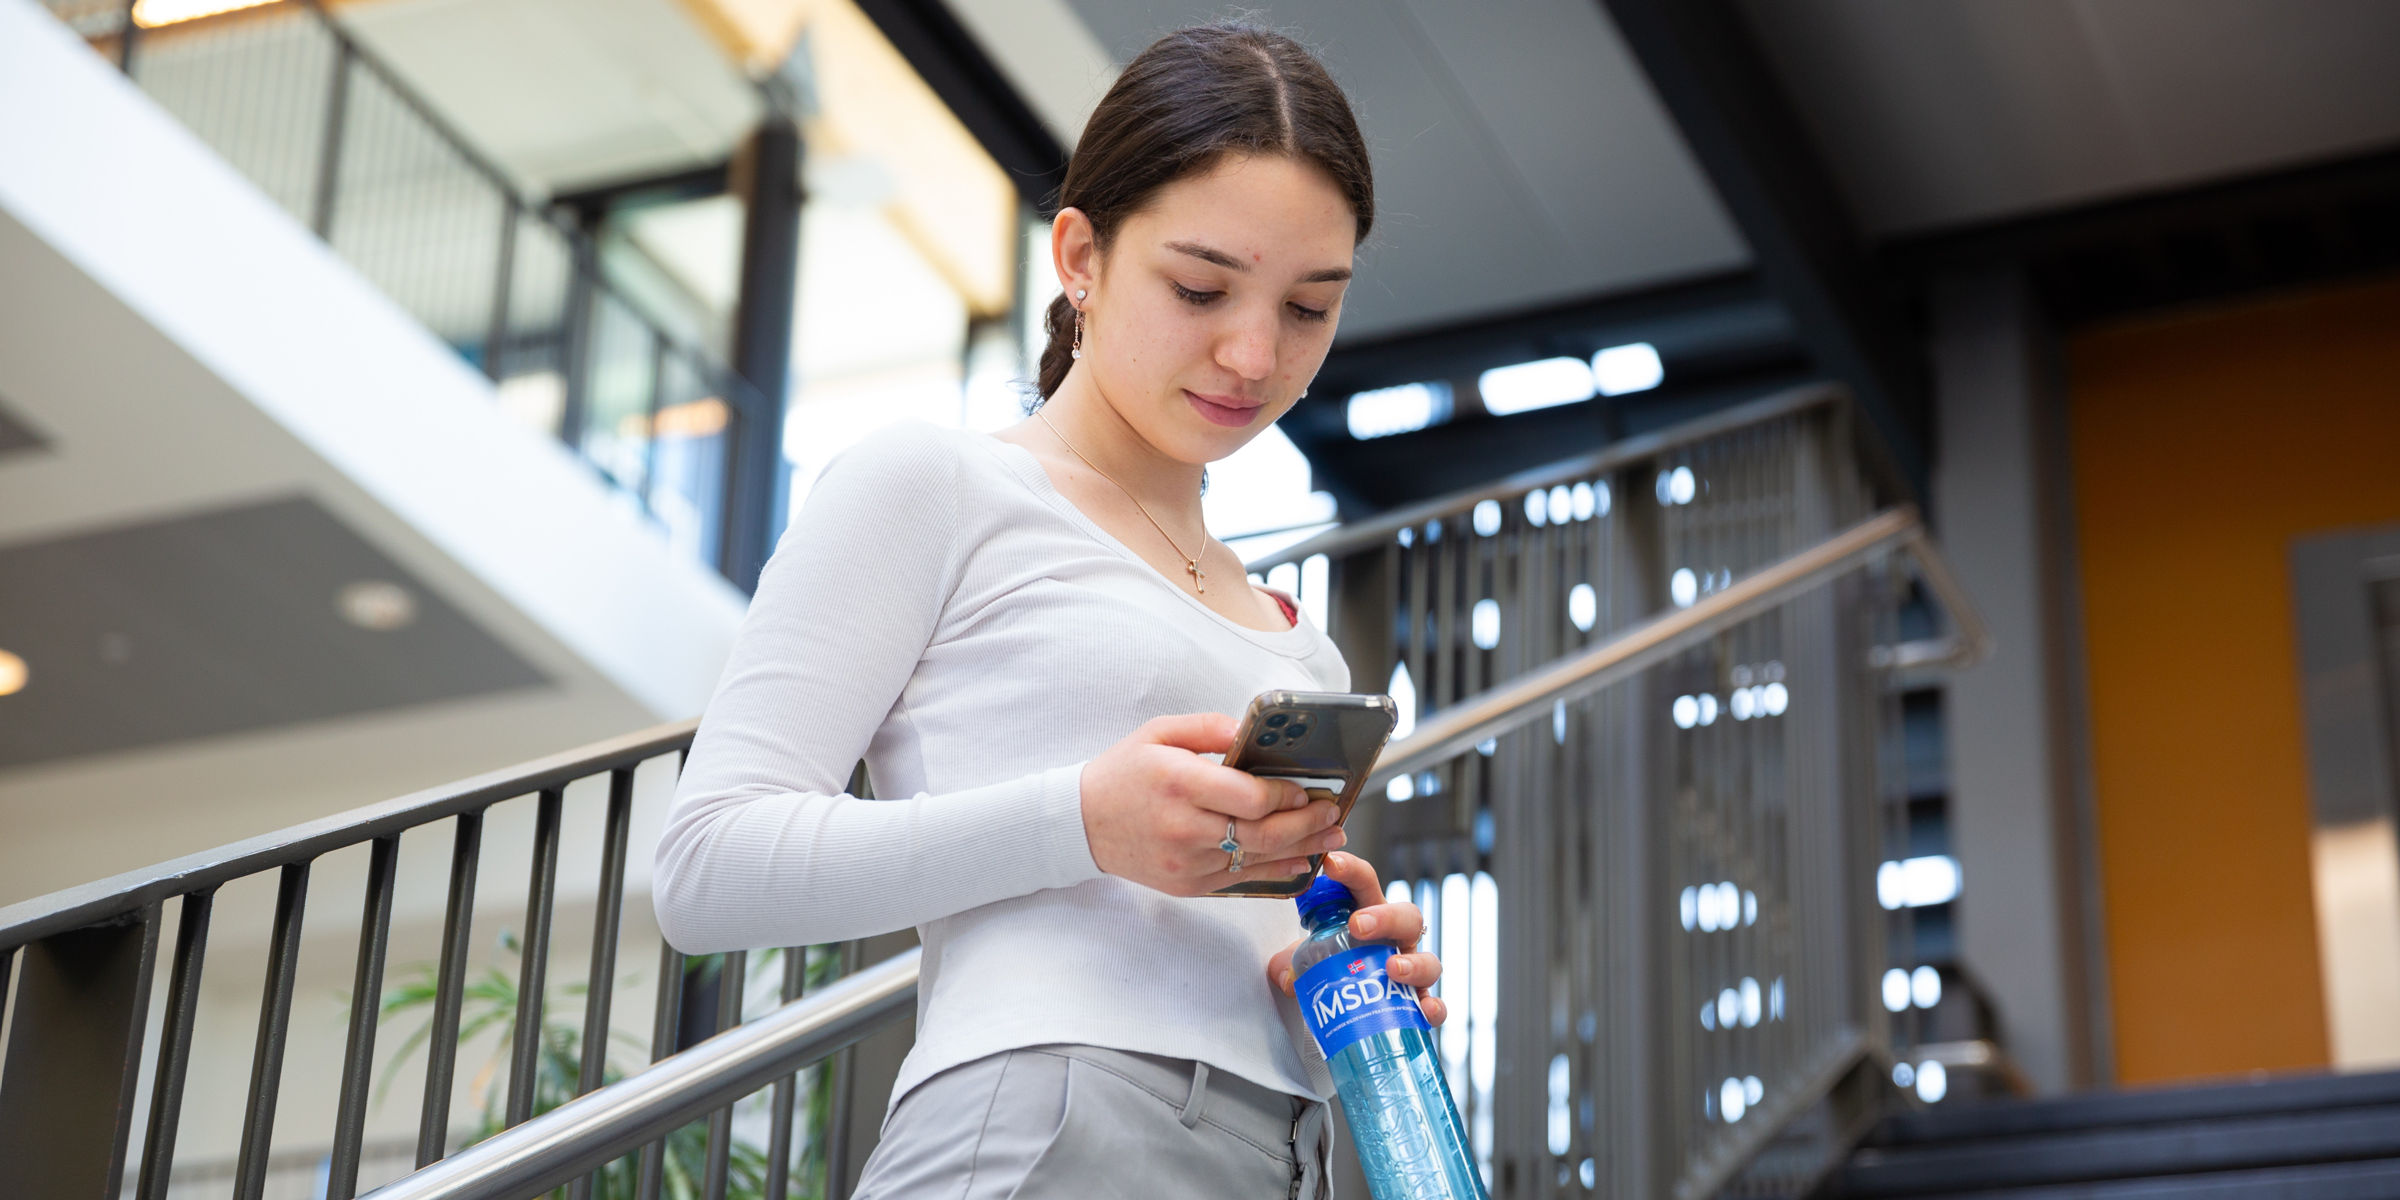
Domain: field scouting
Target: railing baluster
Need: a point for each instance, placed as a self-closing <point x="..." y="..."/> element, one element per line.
<point x="441" y="1045"/>
<point x="779" y="1140"/>
<point x="732" y="979"/>
<point x="274" y="1024"/>
<point x="366" y="1004"/>
<point x="665" y="1021"/>
<point x="659" y="351"/>
<point x="601" y="984"/>
<point x="174" y="1043"/>
<point x="329" y="152"/>
<point x="837" y="1125"/>
<point x="533" y="961"/>
<point x="496" y="335"/>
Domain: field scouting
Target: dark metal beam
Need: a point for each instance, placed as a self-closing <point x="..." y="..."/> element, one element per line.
<point x="1702" y="319"/>
<point x="1386" y="472"/>
<point x="950" y="61"/>
<point x="1705" y="65"/>
<point x="2303" y="226"/>
<point x="1721" y="339"/>
<point x="767" y="176"/>
<point x="593" y="202"/>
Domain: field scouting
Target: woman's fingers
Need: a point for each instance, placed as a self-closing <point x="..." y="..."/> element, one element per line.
<point x="1244" y="796"/>
<point x="1359" y="876"/>
<point x="1435" y="1010"/>
<point x="1398" y="922"/>
<point x="1302" y="831"/>
<point x="1419" y="970"/>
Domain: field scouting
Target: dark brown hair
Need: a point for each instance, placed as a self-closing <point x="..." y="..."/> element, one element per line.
<point x="1180" y="107"/>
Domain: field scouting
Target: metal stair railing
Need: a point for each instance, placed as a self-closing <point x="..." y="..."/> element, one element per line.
<point x="1551" y="862"/>
<point x="1818" y="1050"/>
<point x="1657" y="903"/>
<point x="337" y="138"/>
<point x="84" y="959"/>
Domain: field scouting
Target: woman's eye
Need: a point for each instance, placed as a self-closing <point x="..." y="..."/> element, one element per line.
<point x="1306" y="313"/>
<point x="1197" y="299"/>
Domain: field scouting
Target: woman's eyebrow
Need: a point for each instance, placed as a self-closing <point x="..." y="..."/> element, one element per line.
<point x="1220" y="258"/>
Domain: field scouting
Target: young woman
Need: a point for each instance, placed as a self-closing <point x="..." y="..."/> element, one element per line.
<point x="1032" y="638"/>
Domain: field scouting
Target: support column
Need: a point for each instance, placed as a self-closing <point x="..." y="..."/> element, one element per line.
<point x="2027" y="905"/>
<point x="767" y="177"/>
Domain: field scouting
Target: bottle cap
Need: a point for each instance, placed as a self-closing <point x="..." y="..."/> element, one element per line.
<point x="1324" y="898"/>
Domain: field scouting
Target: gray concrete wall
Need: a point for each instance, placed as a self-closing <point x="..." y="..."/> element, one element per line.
<point x="2019" y="819"/>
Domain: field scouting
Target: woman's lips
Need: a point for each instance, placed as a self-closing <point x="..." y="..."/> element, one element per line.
<point x="1230" y="415"/>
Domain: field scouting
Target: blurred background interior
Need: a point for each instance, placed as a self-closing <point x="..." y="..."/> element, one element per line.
<point x="393" y="392"/>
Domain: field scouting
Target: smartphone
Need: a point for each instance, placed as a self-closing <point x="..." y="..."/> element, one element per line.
<point x="1324" y="741"/>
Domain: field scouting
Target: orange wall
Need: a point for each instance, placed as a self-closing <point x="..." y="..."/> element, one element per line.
<point x="2203" y="445"/>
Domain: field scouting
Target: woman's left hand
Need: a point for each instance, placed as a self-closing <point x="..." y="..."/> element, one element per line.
<point x="1396" y="922"/>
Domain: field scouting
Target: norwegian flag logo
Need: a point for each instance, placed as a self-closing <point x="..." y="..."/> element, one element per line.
<point x="1358" y="966"/>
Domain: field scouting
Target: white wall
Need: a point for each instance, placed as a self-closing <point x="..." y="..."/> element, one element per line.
<point x="183" y="343"/>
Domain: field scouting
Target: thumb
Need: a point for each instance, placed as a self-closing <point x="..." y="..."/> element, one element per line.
<point x="1200" y="733"/>
<point x="1279" y="969"/>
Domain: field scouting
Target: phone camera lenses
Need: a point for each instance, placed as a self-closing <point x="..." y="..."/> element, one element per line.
<point x="1267" y="739"/>
<point x="1296" y="732"/>
<point x="1277" y="719"/>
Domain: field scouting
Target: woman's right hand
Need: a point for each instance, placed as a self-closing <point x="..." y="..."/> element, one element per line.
<point x="1154" y="811"/>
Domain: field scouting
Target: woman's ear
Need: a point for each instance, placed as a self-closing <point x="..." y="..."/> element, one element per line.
<point x="1074" y="253"/>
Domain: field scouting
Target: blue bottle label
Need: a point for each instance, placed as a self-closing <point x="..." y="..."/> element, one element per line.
<point x="1350" y="996"/>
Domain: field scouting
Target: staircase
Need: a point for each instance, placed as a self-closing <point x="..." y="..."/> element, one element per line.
<point x="2305" y="1138"/>
<point x="1641" y="791"/>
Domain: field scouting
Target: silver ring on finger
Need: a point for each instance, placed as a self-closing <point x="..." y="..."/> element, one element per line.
<point x="1232" y="847"/>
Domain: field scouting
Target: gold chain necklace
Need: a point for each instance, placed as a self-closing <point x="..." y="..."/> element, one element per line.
<point x="1191" y="564"/>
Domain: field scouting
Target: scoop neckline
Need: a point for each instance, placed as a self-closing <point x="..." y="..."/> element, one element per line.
<point x="1036" y="479"/>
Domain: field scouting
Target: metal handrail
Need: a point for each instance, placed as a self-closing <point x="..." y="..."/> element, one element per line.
<point x="593" y="1128"/>
<point x="1374" y="531"/>
<point x="123" y="896"/>
<point x="553" y="1148"/>
<point x="1518" y="701"/>
<point x="660" y="1098"/>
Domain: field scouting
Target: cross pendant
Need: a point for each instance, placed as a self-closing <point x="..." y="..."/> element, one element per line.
<point x="1199" y="577"/>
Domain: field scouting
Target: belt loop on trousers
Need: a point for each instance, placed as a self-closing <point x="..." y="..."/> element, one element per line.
<point x="1190" y="1116"/>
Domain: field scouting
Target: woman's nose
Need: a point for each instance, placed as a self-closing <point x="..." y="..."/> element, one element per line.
<point x="1248" y="348"/>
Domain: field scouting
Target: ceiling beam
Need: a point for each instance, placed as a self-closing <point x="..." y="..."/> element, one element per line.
<point x="592" y="202"/>
<point x="1705" y="65"/>
<point x="1386" y="472"/>
<point x="2303" y="226"/>
<point x="954" y="65"/>
<point x="1720" y="338"/>
<point x="1697" y="321"/>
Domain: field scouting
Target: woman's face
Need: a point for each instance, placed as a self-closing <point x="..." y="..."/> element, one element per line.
<point x="1216" y="303"/>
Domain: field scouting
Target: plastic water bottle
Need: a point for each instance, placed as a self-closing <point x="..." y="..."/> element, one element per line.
<point x="1410" y="1140"/>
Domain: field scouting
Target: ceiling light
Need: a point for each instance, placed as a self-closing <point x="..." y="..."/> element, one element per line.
<point x="377" y="604"/>
<point x="12" y="674"/>
<point x="1403" y="409"/>
<point x="150" y="14"/>
<point x="1629" y="368"/>
<point x="1542" y="383"/>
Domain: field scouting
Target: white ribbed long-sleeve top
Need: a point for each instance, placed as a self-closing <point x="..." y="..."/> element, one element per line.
<point x="939" y="609"/>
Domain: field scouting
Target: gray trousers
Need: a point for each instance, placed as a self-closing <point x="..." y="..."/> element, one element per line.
<point x="1094" y="1124"/>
